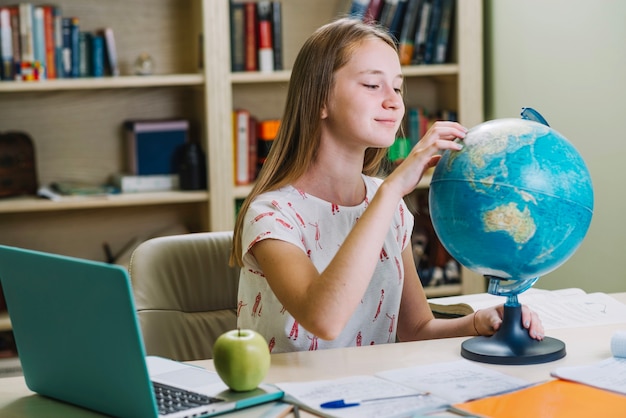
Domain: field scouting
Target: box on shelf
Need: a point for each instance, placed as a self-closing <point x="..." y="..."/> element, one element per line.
<point x="147" y="183"/>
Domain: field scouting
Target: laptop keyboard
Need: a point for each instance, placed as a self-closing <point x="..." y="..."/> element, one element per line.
<point x="171" y="399"/>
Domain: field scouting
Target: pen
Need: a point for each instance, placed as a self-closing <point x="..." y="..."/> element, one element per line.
<point x="342" y="403"/>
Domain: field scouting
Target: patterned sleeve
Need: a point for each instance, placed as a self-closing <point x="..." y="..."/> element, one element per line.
<point x="265" y="219"/>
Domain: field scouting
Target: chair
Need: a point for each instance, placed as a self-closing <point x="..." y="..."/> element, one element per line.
<point x="185" y="293"/>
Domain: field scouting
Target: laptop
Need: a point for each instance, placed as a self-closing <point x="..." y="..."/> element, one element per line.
<point x="79" y="341"/>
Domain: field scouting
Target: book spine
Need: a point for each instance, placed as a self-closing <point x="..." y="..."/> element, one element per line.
<point x="422" y="32"/>
<point x="266" y="133"/>
<point x="445" y="29"/>
<point x="386" y="14"/>
<point x="277" y="34"/>
<point x="75" y="47"/>
<point x="84" y="54"/>
<point x="26" y="32"/>
<point x="111" y="52"/>
<point x="252" y="148"/>
<point x="241" y="122"/>
<point x="6" y="44"/>
<point x="39" y="41"/>
<point x="97" y="55"/>
<point x="433" y="30"/>
<point x="396" y="23"/>
<point x="66" y="24"/>
<point x="58" y="42"/>
<point x="266" y="44"/>
<point x="251" y="46"/>
<point x="48" y="24"/>
<point x="407" y="34"/>
<point x="237" y="37"/>
<point x="16" y="42"/>
<point x="358" y="8"/>
<point x="372" y="13"/>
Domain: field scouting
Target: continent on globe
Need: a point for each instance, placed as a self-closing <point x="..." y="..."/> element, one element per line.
<point x="508" y="218"/>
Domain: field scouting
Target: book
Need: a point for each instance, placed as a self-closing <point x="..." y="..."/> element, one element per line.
<point x="266" y="133"/>
<point x="421" y="33"/>
<point x="372" y="13"/>
<point x="445" y="31"/>
<point x="358" y="8"/>
<point x="84" y="54"/>
<point x="16" y="42"/>
<point x="49" y="41"/>
<point x="66" y="28"/>
<point x="237" y="37"/>
<point x="39" y="42"/>
<point x="552" y="399"/>
<point x="433" y="30"/>
<point x="251" y="36"/>
<point x="607" y="374"/>
<point x="152" y="144"/>
<point x="74" y="47"/>
<point x="26" y="32"/>
<point x="395" y="27"/>
<point x="265" y="36"/>
<point x="146" y="183"/>
<point x="277" y="34"/>
<point x="96" y="51"/>
<point x="6" y="44"/>
<point x="110" y="54"/>
<point x="244" y="146"/>
<point x="387" y="12"/>
<point x="407" y="33"/>
<point x="58" y="40"/>
<point x="404" y="391"/>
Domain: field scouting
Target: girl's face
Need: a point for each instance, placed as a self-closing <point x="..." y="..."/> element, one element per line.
<point x="365" y="106"/>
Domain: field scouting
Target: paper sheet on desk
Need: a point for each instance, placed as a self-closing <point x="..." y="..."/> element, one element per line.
<point x="609" y="374"/>
<point x="447" y="383"/>
<point x="310" y="395"/>
<point x="564" y="308"/>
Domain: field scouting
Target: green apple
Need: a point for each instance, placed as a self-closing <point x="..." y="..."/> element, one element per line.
<point x="241" y="358"/>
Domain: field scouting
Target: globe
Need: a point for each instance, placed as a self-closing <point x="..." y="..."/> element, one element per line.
<point x="514" y="204"/>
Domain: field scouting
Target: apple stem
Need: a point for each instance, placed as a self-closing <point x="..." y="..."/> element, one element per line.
<point x="238" y="332"/>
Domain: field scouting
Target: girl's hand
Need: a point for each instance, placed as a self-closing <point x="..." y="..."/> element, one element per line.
<point x="426" y="153"/>
<point x="488" y="321"/>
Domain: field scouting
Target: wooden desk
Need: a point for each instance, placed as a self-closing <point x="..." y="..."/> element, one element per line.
<point x="583" y="345"/>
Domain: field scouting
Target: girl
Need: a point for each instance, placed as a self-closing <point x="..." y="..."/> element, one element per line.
<point x="324" y="245"/>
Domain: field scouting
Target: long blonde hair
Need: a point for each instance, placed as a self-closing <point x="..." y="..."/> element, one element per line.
<point x="328" y="49"/>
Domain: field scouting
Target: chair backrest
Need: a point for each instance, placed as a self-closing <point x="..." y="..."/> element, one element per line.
<point x="185" y="293"/>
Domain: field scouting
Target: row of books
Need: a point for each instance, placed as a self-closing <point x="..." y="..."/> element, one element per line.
<point x="37" y="42"/>
<point x="252" y="140"/>
<point x="256" y="35"/>
<point x="422" y="28"/>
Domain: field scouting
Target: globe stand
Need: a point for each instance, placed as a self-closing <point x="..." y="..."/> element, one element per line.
<point x="511" y="344"/>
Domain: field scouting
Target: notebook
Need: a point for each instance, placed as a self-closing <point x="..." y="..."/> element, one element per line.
<point x="79" y="341"/>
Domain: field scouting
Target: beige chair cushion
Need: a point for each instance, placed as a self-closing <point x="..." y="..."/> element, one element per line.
<point x="185" y="293"/>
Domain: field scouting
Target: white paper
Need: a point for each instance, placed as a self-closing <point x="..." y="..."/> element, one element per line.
<point x="312" y="394"/>
<point x="609" y="374"/>
<point x="565" y="308"/>
<point x="456" y="381"/>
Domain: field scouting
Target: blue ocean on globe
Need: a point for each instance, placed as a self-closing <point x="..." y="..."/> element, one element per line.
<point x="515" y="203"/>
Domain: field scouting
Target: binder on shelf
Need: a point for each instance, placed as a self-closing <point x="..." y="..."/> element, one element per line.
<point x="152" y="144"/>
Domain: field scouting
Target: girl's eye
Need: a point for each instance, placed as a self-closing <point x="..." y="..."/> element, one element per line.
<point x="371" y="86"/>
<point x="399" y="91"/>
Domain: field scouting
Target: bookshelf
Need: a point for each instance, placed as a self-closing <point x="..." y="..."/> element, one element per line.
<point x="76" y="124"/>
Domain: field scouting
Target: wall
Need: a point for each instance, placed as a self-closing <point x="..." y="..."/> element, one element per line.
<point x="567" y="59"/>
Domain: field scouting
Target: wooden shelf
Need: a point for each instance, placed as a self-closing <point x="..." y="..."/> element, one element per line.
<point x="32" y="204"/>
<point x="95" y="83"/>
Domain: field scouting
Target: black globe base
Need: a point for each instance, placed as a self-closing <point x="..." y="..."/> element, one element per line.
<point x="511" y="344"/>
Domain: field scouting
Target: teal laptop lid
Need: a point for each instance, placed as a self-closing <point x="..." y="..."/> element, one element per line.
<point x="76" y="331"/>
<point x="79" y="340"/>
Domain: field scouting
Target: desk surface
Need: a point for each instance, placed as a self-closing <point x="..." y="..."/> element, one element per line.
<point x="584" y="346"/>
